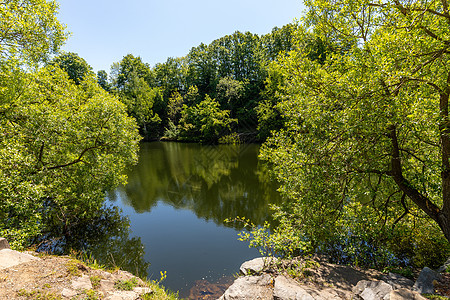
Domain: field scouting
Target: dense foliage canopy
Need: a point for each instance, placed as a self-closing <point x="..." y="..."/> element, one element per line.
<point x="364" y="154"/>
<point x="63" y="141"/>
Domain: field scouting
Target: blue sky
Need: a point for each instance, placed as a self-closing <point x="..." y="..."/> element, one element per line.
<point x="103" y="31"/>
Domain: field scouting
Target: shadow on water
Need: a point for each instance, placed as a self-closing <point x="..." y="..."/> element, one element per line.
<point x="105" y="238"/>
<point x="214" y="182"/>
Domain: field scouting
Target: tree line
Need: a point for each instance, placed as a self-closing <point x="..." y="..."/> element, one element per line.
<point x="215" y="92"/>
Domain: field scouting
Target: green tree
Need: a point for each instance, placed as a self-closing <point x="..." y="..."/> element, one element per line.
<point x="102" y="80"/>
<point x="61" y="145"/>
<point x="75" y="66"/>
<point x="30" y="29"/>
<point x="230" y="93"/>
<point x="134" y="83"/>
<point x="205" y="122"/>
<point x="366" y="148"/>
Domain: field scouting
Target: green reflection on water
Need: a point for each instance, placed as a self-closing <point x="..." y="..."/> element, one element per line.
<point x="215" y="182"/>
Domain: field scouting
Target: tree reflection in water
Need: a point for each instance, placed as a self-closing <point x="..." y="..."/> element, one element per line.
<point x="216" y="182"/>
<point x="105" y="238"/>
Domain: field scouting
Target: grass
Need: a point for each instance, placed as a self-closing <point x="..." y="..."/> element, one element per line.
<point x="159" y="292"/>
<point x="95" y="281"/>
<point x="38" y="295"/>
<point x="72" y="268"/>
<point x="434" y="297"/>
<point x="126" y="285"/>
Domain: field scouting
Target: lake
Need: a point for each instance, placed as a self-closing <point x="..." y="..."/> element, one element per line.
<point x="177" y="198"/>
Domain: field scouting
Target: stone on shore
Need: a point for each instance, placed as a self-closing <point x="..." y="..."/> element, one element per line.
<point x="256" y="265"/>
<point x="4" y="244"/>
<point x="424" y="283"/>
<point x="10" y="258"/>
<point x="405" y="294"/>
<point x="286" y="289"/>
<point x="250" y="288"/>
<point x="372" y="290"/>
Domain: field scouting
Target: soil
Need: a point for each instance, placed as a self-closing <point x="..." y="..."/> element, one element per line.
<point x="48" y="277"/>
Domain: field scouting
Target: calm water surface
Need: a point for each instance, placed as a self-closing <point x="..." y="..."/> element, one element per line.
<point x="177" y="199"/>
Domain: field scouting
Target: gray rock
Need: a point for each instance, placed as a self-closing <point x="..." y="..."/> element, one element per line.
<point x="10" y="258"/>
<point x="398" y="281"/>
<point x="68" y="293"/>
<point x="256" y="265"/>
<point x="106" y="285"/>
<point x="288" y="289"/>
<point x="424" y="283"/>
<point x="82" y="283"/>
<point x="4" y="244"/>
<point x="250" y="288"/>
<point x="372" y="290"/>
<point x="405" y="294"/>
<point x="142" y="290"/>
<point x="122" y="295"/>
<point x="444" y="266"/>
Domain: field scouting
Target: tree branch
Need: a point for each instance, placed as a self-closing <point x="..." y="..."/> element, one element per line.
<point x="420" y="200"/>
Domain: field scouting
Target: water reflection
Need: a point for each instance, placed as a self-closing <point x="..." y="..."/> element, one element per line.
<point x="215" y="182"/>
<point x="105" y="238"/>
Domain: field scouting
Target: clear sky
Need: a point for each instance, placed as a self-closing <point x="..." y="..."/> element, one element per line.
<point x="103" y="31"/>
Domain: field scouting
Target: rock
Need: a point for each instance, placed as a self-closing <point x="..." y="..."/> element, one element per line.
<point x="444" y="266"/>
<point x="398" y="281"/>
<point x="256" y="265"/>
<point x="142" y="290"/>
<point x="106" y="285"/>
<point x="405" y="294"/>
<point x="250" y="288"/>
<point x="122" y="295"/>
<point x="68" y="293"/>
<point x="82" y="283"/>
<point x="10" y="258"/>
<point x="372" y="290"/>
<point x="4" y="244"/>
<point x="424" y="283"/>
<point x="288" y="289"/>
<point x="327" y="293"/>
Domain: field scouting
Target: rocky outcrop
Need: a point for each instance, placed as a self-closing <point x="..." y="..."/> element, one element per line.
<point x="54" y="277"/>
<point x="327" y="282"/>
<point x="257" y="265"/>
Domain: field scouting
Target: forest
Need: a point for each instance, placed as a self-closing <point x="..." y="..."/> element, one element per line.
<point x="351" y="104"/>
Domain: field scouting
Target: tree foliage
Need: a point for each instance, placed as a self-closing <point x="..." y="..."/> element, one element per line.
<point x="366" y="144"/>
<point x="29" y="29"/>
<point x="76" y="67"/>
<point x="205" y="122"/>
<point x="61" y="144"/>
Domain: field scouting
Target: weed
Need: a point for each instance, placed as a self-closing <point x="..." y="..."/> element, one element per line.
<point x="95" y="281"/>
<point x="434" y="297"/>
<point x="72" y="268"/>
<point x="92" y="295"/>
<point x="126" y="285"/>
<point x="38" y="295"/>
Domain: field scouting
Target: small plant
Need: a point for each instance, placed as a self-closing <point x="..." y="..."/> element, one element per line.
<point x="126" y="285"/>
<point x="72" y="268"/>
<point x="95" y="281"/>
<point x="435" y="297"/>
<point x="38" y="295"/>
<point x="92" y="295"/>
